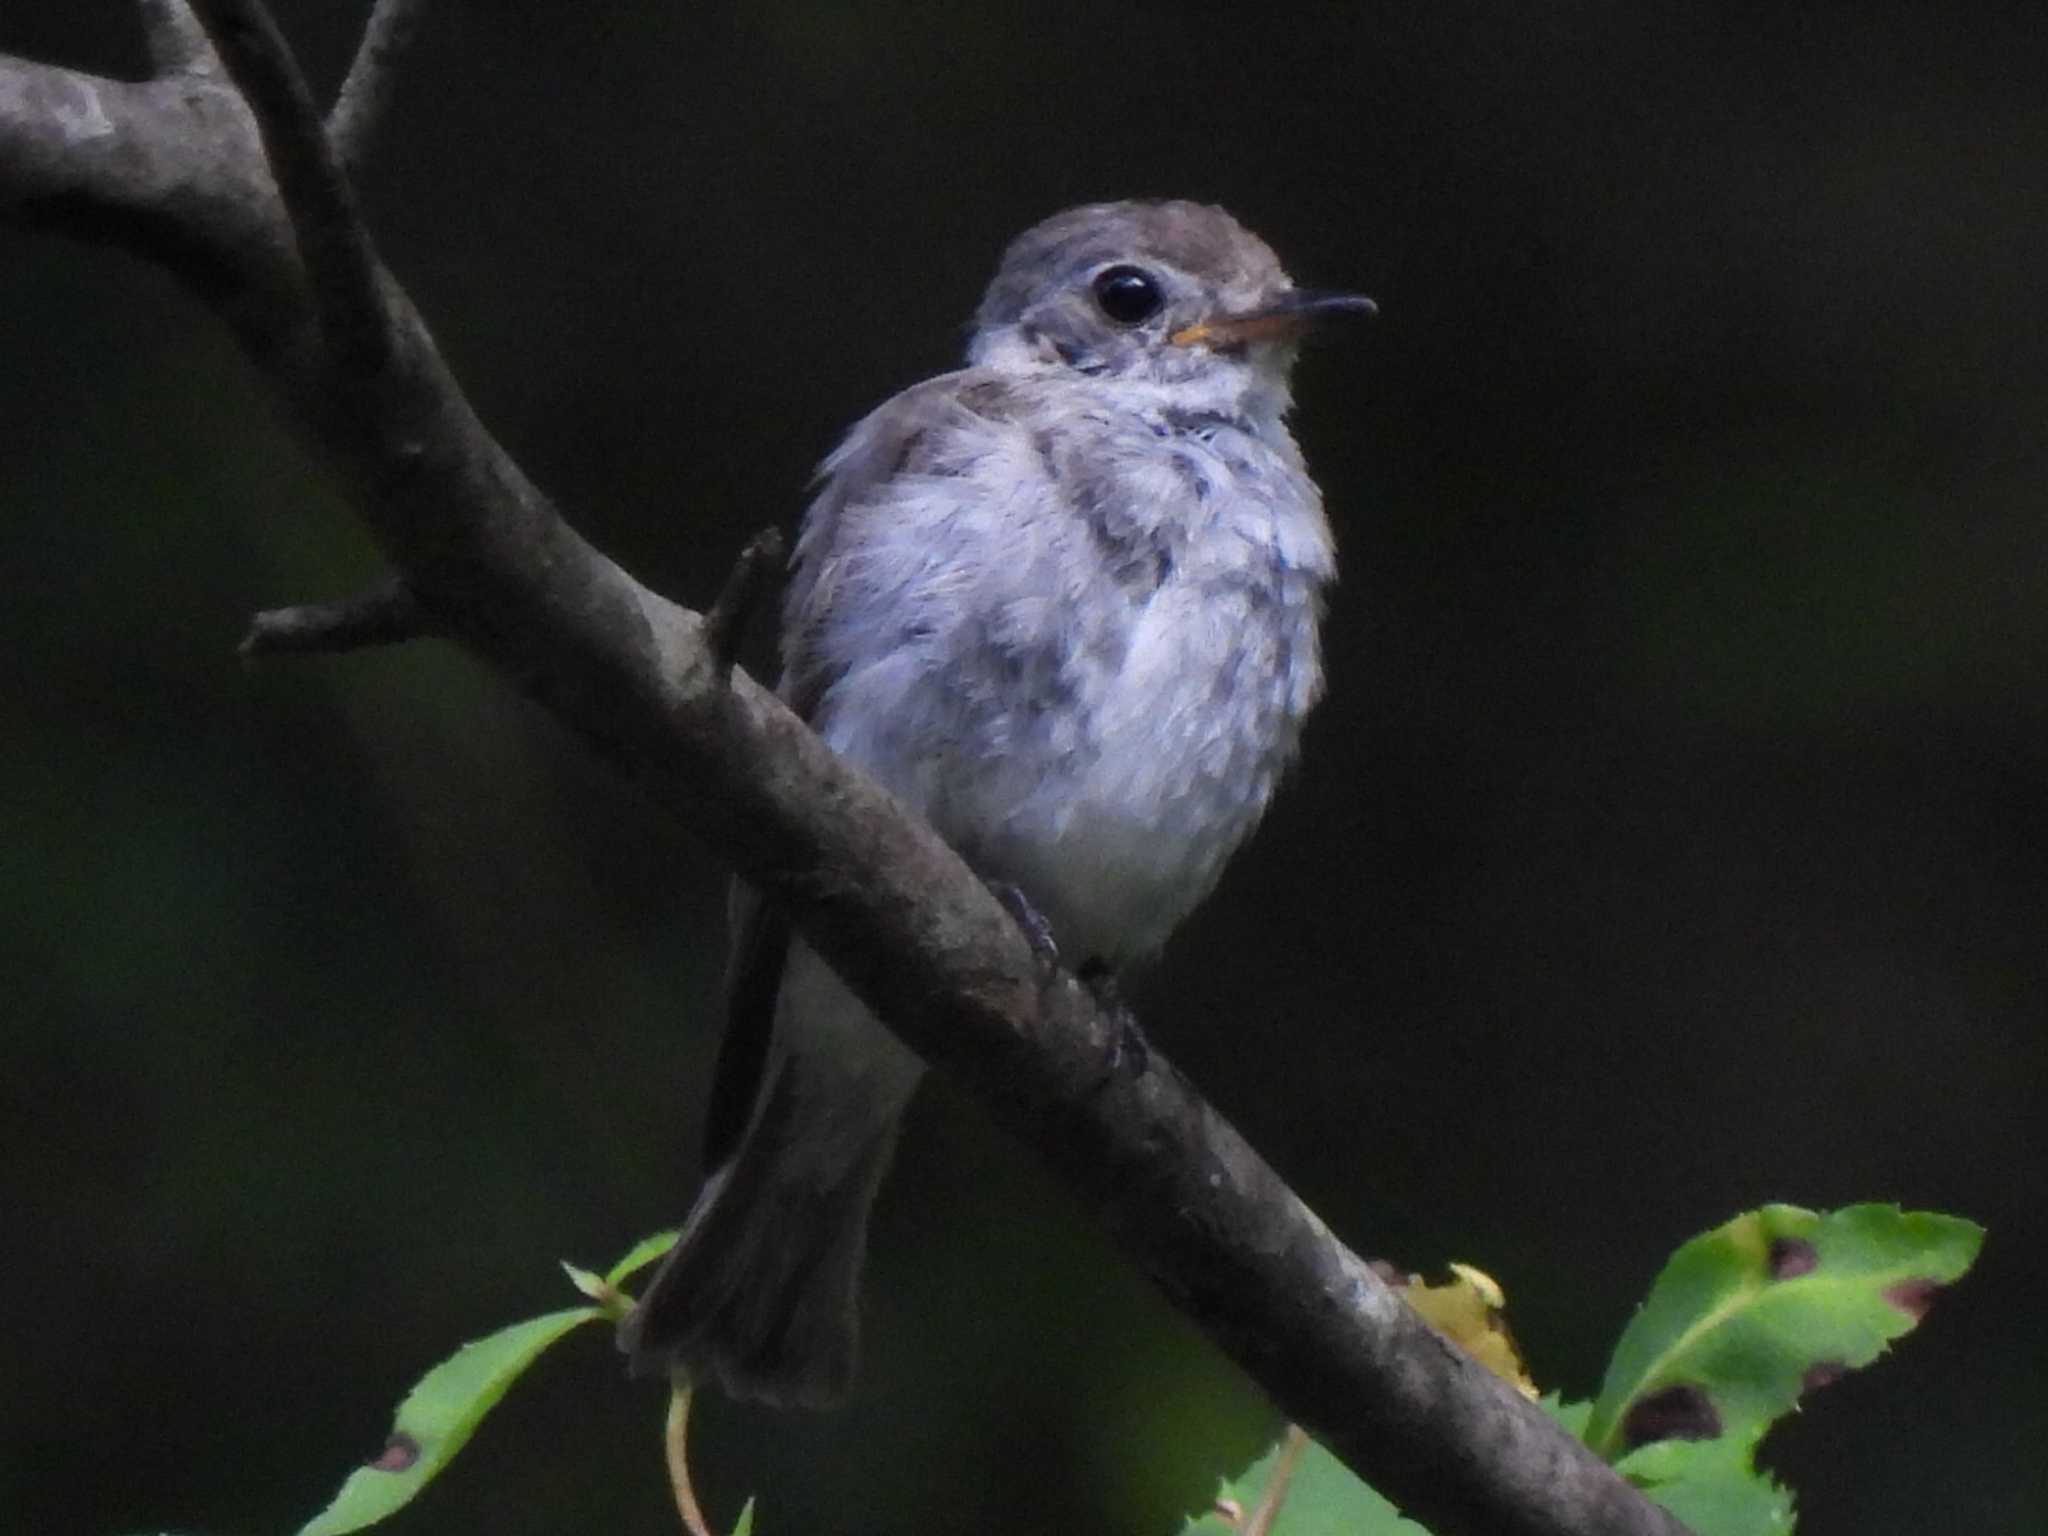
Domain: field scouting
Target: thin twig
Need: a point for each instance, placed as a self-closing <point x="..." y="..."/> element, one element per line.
<point x="675" y="1442"/>
<point x="366" y="94"/>
<point x="1268" y="1507"/>
<point x="177" y="43"/>
<point x="386" y="614"/>
<point x="760" y="566"/>
<point x="333" y="243"/>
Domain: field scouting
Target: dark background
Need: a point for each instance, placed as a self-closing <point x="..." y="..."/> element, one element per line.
<point x="1672" y="839"/>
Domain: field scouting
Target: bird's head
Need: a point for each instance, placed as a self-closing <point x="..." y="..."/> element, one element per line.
<point x="1176" y="295"/>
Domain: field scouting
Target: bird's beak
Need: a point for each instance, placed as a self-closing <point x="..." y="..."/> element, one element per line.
<point x="1287" y="317"/>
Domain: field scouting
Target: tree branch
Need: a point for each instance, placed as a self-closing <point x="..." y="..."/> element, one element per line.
<point x="77" y="147"/>
<point x="281" y="254"/>
<point x="178" y="44"/>
<point x="386" y="614"/>
<point x="318" y="200"/>
<point x="366" y="93"/>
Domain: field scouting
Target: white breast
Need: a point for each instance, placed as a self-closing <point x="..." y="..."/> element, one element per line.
<point x="1088" y="663"/>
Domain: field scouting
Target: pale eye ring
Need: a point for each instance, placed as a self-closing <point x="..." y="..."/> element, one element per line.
<point x="1128" y="295"/>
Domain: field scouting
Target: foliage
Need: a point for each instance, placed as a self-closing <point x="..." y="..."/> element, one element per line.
<point x="440" y="1414"/>
<point x="437" y="1418"/>
<point x="1742" y="1322"/>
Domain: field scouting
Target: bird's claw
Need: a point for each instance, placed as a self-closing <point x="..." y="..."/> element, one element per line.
<point x="1128" y="1050"/>
<point x="1030" y="922"/>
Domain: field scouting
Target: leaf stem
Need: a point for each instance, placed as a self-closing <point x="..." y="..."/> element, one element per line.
<point x="675" y="1442"/>
<point x="1275" y="1494"/>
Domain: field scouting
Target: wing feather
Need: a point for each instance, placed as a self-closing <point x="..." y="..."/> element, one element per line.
<point x="909" y="435"/>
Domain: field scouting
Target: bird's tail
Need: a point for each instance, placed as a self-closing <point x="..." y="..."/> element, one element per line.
<point x="759" y="1293"/>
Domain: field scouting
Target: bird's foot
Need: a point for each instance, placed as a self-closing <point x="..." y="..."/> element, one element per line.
<point x="1128" y="1051"/>
<point x="1030" y="922"/>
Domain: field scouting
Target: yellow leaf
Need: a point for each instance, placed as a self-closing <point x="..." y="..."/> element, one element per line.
<point x="1469" y="1310"/>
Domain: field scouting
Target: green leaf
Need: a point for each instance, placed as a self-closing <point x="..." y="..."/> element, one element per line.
<point x="1742" y="1321"/>
<point x="1709" y="1484"/>
<point x="1569" y="1417"/>
<point x="1713" y="1486"/>
<point x="642" y="1254"/>
<point x="1746" y="1318"/>
<point x="1322" y="1498"/>
<point x="437" y="1418"/>
<point x="744" y="1526"/>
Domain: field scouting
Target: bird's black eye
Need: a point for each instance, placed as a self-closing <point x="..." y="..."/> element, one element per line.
<point x="1128" y="295"/>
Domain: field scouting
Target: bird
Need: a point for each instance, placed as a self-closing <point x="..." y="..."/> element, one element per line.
<point x="1064" y="603"/>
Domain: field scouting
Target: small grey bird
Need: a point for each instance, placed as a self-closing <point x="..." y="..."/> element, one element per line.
<point x="1063" y="603"/>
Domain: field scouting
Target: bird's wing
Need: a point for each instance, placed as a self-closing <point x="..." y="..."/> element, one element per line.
<point x="753" y="978"/>
<point x="913" y="434"/>
<point x="932" y="430"/>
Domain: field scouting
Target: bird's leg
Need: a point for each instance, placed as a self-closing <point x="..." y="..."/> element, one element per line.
<point x="1030" y="922"/>
<point x="1128" y="1051"/>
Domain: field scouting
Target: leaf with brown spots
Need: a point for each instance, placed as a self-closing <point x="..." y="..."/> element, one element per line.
<point x="440" y="1414"/>
<point x="1713" y="1486"/>
<point x="437" y="1418"/>
<point x="1742" y="1322"/>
